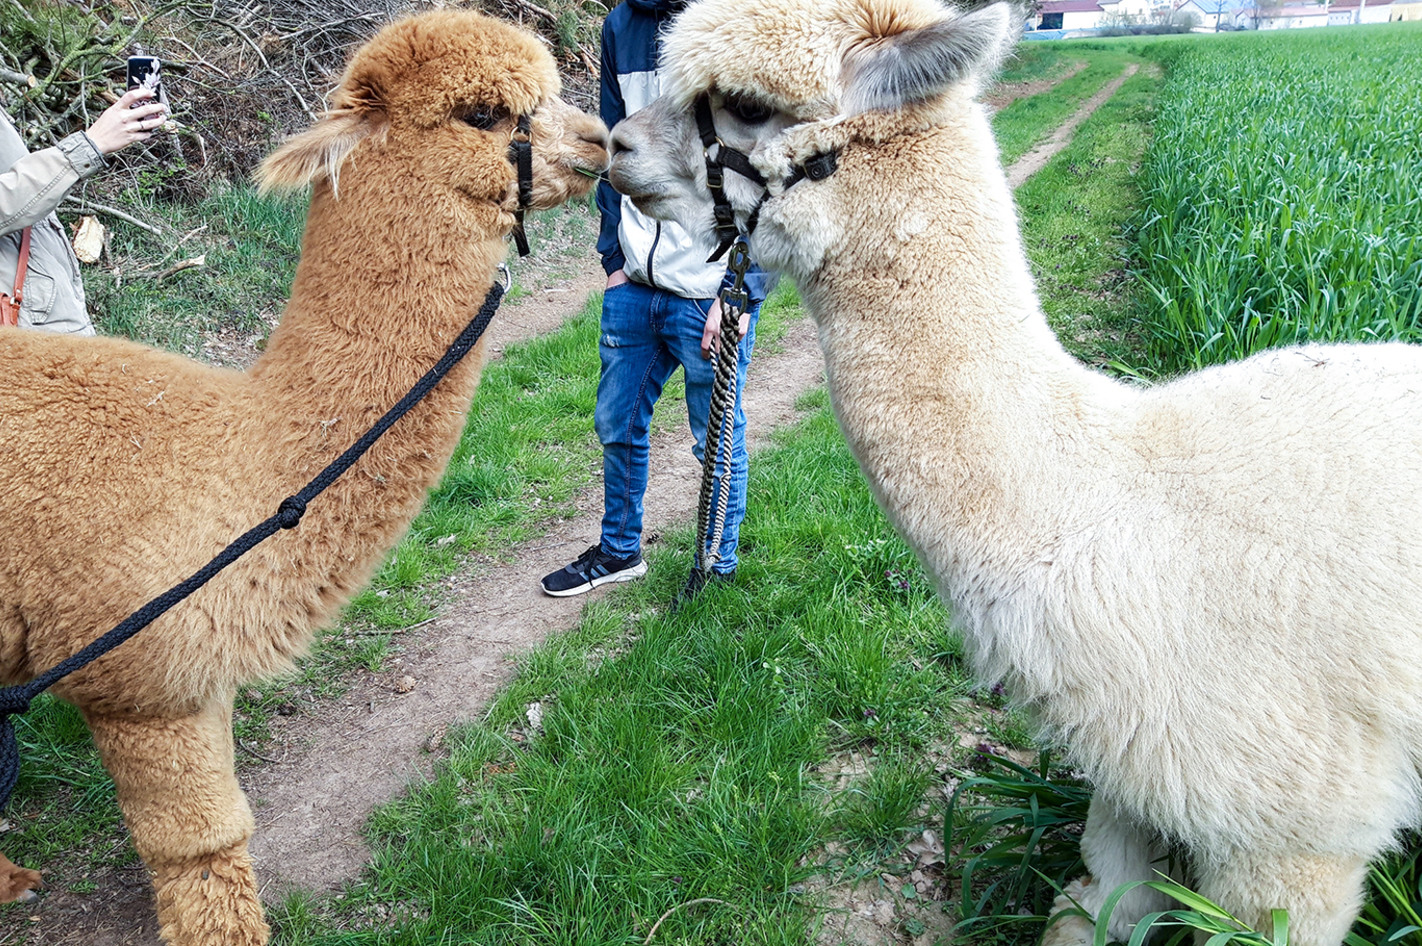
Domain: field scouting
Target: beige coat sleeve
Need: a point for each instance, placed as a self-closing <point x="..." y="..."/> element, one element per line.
<point x="35" y="184"/>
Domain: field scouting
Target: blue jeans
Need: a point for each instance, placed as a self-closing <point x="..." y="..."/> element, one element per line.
<point x="646" y="333"/>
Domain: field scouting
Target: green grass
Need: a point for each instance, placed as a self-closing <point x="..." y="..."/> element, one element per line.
<point x="1027" y="121"/>
<point x="250" y="246"/>
<point x="1284" y="195"/>
<point x="1033" y="61"/>
<point x="1016" y="831"/>
<point x="1075" y="217"/>
<point x="678" y="747"/>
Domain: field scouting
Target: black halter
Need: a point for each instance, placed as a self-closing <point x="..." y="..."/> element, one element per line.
<point x="521" y="157"/>
<point x="719" y="158"/>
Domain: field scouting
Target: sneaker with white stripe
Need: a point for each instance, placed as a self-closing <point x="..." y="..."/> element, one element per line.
<point x="591" y="569"/>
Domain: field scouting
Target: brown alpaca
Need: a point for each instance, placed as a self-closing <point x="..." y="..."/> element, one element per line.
<point x="124" y="469"/>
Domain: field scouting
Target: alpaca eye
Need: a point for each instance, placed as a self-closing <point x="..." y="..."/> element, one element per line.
<point x="484" y="118"/>
<point x="747" y="110"/>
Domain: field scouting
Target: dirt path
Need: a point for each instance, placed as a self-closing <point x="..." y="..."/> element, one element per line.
<point x="310" y="811"/>
<point x="336" y="764"/>
<point x="1036" y="159"/>
<point x="1004" y="94"/>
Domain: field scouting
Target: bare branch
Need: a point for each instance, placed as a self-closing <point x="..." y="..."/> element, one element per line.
<point x="238" y="32"/>
<point x="88" y="206"/>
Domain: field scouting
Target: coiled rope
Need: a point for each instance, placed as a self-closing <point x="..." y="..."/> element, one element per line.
<point x="735" y="300"/>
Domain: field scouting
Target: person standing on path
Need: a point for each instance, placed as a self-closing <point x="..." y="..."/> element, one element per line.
<point x="31" y="187"/>
<point x="661" y="309"/>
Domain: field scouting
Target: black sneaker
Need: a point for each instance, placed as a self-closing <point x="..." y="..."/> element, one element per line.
<point x="594" y="567"/>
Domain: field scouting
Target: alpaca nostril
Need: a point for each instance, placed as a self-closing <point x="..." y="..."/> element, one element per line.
<point x="620" y="144"/>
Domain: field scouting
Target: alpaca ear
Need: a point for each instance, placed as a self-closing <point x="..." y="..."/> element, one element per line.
<point x="915" y="65"/>
<point x="317" y="152"/>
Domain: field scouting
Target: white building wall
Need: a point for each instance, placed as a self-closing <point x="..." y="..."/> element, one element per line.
<point x="1085" y="20"/>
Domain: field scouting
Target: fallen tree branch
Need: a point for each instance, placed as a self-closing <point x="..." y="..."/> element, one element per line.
<point x="91" y="207"/>
<point x="17" y="78"/>
<point x="536" y="10"/>
<point x="195" y="262"/>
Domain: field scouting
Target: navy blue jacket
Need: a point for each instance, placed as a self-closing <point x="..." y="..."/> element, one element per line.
<point x="650" y="251"/>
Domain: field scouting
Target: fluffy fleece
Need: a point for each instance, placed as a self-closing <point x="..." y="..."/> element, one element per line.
<point x="1209" y="590"/>
<point x="124" y="469"/>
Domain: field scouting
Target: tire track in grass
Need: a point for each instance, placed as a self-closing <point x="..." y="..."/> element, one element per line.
<point x="1036" y="159"/>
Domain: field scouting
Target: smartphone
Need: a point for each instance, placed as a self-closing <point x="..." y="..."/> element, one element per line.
<point x="146" y="71"/>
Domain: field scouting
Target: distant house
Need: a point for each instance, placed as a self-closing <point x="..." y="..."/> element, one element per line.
<point x="1137" y="11"/>
<point x="1213" y="15"/>
<point x="1069" y="15"/>
<point x="1292" y="16"/>
<point x="1289" y="16"/>
<point x="1349" y="12"/>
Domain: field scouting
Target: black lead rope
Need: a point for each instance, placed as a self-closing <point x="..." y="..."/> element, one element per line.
<point x="16" y="699"/>
<point x="735" y="300"/>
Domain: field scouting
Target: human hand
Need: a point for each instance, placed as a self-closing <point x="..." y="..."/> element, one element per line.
<point x="711" y="335"/>
<point x="616" y="278"/>
<point x="121" y="124"/>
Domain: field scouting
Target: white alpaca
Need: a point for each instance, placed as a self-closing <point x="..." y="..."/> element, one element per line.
<point x="1208" y="590"/>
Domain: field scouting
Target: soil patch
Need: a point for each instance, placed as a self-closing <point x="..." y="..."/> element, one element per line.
<point x="1004" y="94"/>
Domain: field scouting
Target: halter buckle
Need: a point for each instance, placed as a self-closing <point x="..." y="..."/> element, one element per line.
<point x="822" y="166"/>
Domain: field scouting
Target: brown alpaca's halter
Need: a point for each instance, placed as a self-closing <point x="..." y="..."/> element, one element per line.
<point x="521" y="157"/>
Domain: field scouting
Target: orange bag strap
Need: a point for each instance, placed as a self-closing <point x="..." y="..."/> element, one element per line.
<point x="10" y="305"/>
